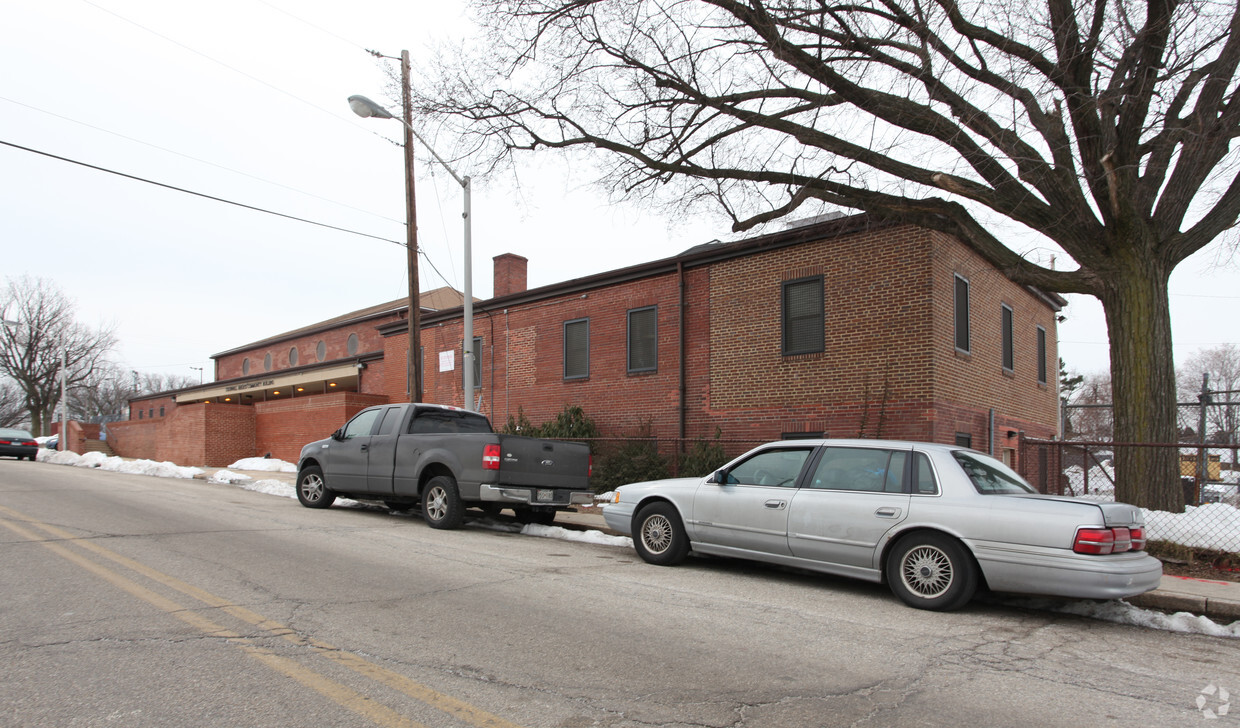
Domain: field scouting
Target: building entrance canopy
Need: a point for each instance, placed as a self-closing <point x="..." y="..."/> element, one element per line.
<point x="337" y="378"/>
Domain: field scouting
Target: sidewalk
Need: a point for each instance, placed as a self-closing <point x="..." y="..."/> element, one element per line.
<point x="1217" y="600"/>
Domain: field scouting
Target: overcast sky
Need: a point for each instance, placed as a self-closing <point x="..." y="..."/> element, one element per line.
<point x="245" y="100"/>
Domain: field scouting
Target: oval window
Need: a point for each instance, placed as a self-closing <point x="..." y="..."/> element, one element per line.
<point x="352" y="344"/>
<point x="292" y="357"/>
<point x="267" y="362"/>
<point x="320" y="351"/>
<point x="245" y="366"/>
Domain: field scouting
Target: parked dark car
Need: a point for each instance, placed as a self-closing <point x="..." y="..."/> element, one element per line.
<point x="17" y="443"/>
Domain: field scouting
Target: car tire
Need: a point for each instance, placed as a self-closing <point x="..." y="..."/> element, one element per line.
<point x="659" y="536"/>
<point x="312" y="489"/>
<point x="530" y="515"/>
<point x="441" y="503"/>
<point x="931" y="571"/>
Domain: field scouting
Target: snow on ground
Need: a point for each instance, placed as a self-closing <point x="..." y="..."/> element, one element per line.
<point x="1210" y="519"/>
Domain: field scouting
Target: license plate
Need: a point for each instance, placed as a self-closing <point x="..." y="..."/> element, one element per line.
<point x="543" y="495"/>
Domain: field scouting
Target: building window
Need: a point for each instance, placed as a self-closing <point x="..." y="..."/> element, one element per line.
<point x="140" y="413"/>
<point x="267" y="362"/>
<point x="962" y="314"/>
<point x="964" y="439"/>
<point x="245" y="366"/>
<point x="320" y="350"/>
<point x="644" y="339"/>
<point x="150" y="413"/>
<point x="161" y="411"/>
<point x="803" y="316"/>
<point x="292" y="357"/>
<point x="477" y="364"/>
<point x="352" y="344"/>
<point x="577" y="349"/>
<point x="1041" y="355"/>
<point x="1009" y="346"/>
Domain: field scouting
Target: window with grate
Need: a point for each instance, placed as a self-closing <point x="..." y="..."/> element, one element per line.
<point x="962" y="313"/>
<point x="644" y="339"/>
<point x="577" y="349"/>
<point x="1009" y="346"/>
<point x="803" y="317"/>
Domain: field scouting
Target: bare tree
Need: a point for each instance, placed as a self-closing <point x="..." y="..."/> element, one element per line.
<point x="12" y="405"/>
<point x="44" y="333"/>
<point x="1222" y="364"/>
<point x="1102" y="128"/>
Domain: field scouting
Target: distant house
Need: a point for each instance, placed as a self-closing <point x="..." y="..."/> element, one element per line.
<point x="839" y="328"/>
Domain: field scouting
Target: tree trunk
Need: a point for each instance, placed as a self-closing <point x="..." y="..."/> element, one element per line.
<point x="1143" y="388"/>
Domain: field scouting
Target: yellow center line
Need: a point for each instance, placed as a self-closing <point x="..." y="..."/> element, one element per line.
<point x="338" y="693"/>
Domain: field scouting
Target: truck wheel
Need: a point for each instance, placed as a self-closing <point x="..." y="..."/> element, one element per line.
<point x="312" y="489"/>
<point x="529" y="515"/>
<point x="441" y="503"/>
<point x="658" y="535"/>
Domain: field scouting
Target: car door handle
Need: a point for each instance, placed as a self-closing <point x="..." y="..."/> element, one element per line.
<point x="887" y="512"/>
<point x="364" y="448"/>
<point x="777" y="505"/>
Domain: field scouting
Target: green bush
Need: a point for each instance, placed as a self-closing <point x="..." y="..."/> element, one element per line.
<point x="704" y="457"/>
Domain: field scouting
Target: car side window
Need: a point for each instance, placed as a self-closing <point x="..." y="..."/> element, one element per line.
<point x="362" y="425"/>
<point x="855" y="468"/>
<point x="923" y="476"/>
<point x="391" y="421"/>
<point x="770" y="467"/>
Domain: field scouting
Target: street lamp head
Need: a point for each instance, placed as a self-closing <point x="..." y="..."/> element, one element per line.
<point x="366" y="108"/>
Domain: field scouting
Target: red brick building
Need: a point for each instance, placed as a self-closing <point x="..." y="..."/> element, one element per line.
<point x="844" y="328"/>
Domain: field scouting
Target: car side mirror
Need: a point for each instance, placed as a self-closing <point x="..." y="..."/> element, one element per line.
<point x="338" y="434"/>
<point x="719" y="477"/>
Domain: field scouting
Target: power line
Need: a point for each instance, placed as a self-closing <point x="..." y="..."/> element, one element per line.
<point x="199" y="194"/>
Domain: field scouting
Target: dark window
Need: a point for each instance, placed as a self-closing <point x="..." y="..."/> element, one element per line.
<point x="391" y="421"/>
<point x="1009" y="347"/>
<point x="923" y="476"/>
<point x="802" y="435"/>
<point x="1041" y="355"/>
<point x="577" y="349"/>
<point x="855" y="468"/>
<point x="644" y="339"/>
<point x="150" y="412"/>
<point x="140" y="412"/>
<point x="989" y="475"/>
<point x="962" y="314"/>
<point x="161" y="411"/>
<point x="245" y="366"/>
<point x="803" y="316"/>
<point x="964" y="439"/>
<point x="477" y="364"/>
<point x="440" y="422"/>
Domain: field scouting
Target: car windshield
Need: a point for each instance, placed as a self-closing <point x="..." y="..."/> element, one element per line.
<point x="990" y="476"/>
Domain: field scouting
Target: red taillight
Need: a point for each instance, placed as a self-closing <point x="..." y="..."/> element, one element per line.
<point x="1094" y="541"/>
<point x="590" y="470"/>
<point x="1109" y="540"/>
<point x="490" y="457"/>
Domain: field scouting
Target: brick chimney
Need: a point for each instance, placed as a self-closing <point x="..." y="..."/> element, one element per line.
<point x="510" y="274"/>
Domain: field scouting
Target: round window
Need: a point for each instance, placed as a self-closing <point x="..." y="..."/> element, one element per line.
<point x="320" y="351"/>
<point x="267" y="363"/>
<point x="292" y="357"/>
<point x="352" y="344"/>
<point x="245" y="366"/>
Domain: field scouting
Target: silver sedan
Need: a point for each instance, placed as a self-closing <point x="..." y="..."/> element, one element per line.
<point x="934" y="522"/>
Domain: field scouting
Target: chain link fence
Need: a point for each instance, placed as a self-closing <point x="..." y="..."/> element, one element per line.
<point x="1211" y="517"/>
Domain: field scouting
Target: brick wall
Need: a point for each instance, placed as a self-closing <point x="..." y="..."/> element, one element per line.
<point x="335" y="345"/>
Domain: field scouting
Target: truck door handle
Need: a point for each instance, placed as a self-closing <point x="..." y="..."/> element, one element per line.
<point x="777" y="505"/>
<point x="887" y="512"/>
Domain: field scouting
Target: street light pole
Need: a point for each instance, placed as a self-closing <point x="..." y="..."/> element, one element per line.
<point x="364" y="107"/>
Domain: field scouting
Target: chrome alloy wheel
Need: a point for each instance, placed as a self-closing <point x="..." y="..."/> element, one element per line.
<point x="657" y="533"/>
<point x="312" y="487"/>
<point x="927" y="571"/>
<point x="437" y="503"/>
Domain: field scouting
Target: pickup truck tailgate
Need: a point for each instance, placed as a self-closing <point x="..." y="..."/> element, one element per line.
<point x="543" y="463"/>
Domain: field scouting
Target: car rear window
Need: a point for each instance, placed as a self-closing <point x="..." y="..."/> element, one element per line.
<point x="990" y="476"/>
<point x="442" y="422"/>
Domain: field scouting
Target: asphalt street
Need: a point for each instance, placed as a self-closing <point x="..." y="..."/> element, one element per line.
<point x="138" y="601"/>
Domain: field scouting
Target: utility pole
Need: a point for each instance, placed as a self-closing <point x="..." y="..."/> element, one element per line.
<point x="413" y="368"/>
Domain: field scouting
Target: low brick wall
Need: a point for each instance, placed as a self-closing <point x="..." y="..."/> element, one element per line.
<point x="282" y="427"/>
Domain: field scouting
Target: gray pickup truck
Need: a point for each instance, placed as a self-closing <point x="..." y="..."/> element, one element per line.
<point x="445" y="459"/>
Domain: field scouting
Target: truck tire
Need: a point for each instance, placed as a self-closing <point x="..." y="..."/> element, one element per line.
<point x="312" y="489"/>
<point x="441" y="503"/>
